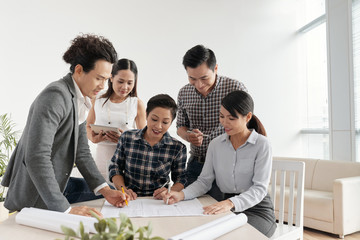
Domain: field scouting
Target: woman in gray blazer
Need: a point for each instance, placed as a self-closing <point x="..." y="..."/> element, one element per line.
<point x="54" y="138"/>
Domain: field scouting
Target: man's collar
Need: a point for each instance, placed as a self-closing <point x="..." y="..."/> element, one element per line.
<point x="80" y="97"/>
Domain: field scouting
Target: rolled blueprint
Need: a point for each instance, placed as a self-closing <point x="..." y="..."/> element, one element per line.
<point x="52" y="221"/>
<point x="213" y="229"/>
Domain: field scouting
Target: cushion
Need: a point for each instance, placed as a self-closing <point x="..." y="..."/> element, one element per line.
<point x="319" y="205"/>
<point x="327" y="171"/>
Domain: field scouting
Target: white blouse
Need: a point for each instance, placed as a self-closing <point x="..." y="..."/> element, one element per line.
<point x="245" y="171"/>
<point x="121" y="115"/>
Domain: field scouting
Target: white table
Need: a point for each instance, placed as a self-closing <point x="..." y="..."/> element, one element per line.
<point x="164" y="227"/>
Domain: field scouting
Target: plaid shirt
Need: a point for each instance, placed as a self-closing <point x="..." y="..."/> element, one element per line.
<point x="197" y="111"/>
<point x="146" y="168"/>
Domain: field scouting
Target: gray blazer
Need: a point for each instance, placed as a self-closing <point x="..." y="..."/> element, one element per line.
<point x="51" y="143"/>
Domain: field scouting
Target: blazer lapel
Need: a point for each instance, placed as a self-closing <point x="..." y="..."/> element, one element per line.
<point x="68" y="79"/>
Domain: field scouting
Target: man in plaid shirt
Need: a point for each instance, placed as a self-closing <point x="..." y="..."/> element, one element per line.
<point x="199" y="107"/>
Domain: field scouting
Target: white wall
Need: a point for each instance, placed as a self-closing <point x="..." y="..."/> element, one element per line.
<point x="254" y="42"/>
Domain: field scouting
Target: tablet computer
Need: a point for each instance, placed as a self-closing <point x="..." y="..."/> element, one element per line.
<point x="98" y="128"/>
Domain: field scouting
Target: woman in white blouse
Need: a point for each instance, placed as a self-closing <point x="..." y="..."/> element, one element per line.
<point x="118" y="107"/>
<point x="240" y="161"/>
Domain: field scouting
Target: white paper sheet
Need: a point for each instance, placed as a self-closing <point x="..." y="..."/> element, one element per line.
<point x="52" y="221"/>
<point x="214" y="229"/>
<point x="154" y="208"/>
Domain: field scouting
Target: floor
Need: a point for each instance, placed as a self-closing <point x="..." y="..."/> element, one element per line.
<point x="311" y="234"/>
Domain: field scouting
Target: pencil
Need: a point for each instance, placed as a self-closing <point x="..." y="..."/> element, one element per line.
<point x="122" y="189"/>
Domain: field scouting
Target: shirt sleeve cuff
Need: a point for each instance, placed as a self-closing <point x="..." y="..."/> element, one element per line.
<point x="237" y="206"/>
<point x="96" y="190"/>
<point x="187" y="194"/>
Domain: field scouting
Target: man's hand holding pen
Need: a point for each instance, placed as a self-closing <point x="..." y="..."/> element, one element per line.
<point x="114" y="197"/>
<point x="160" y="192"/>
<point x="195" y="137"/>
<point x="169" y="190"/>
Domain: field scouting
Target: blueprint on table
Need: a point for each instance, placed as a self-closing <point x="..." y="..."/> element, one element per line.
<point x="144" y="207"/>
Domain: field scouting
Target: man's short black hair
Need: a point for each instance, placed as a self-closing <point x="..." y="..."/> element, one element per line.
<point x="197" y="55"/>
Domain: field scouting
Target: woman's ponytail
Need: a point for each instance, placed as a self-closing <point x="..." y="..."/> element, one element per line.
<point x="255" y="123"/>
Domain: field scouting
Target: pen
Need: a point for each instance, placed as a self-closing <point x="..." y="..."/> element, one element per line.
<point x="164" y="184"/>
<point x="122" y="189"/>
<point x="169" y="188"/>
<point x="204" y="135"/>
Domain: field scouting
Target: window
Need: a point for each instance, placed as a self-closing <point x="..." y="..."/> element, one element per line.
<point x="313" y="52"/>
<point x="356" y="61"/>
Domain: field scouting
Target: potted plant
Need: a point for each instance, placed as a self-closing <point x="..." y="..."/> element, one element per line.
<point x="107" y="229"/>
<point x="8" y="141"/>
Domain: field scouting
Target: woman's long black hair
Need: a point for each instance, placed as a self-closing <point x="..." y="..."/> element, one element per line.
<point x="242" y="103"/>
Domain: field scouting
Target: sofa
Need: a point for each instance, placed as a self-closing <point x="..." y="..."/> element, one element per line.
<point x="331" y="195"/>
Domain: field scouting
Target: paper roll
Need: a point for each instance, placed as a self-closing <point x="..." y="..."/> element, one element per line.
<point x="52" y="221"/>
<point x="214" y="229"/>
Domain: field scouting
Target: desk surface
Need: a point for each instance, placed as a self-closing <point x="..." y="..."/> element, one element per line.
<point x="164" y="227"/>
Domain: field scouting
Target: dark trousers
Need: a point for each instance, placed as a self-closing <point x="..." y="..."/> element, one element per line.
<point x="260" y="216"/>
<point x="193" y="170"/>
<point x="77" y="190"/>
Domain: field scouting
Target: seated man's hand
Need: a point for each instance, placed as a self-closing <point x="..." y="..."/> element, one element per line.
<point x="160" y="193"/>
<point x="131" y="193"/>
<point x="115" y="197"/>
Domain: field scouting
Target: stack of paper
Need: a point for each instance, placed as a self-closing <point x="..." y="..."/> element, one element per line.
<point x="214" y="229"/>
<point x="154" y="208"/>
<point x="52" y="221"/>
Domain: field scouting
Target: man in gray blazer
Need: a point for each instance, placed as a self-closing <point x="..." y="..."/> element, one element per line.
<point x="54" y="138"/>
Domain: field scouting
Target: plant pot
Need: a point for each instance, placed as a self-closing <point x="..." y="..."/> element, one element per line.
<point x="4" y="213"/>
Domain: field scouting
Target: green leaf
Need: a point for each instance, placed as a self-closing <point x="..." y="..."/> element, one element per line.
<point x="157" y="238"/>
<point x="8" y="141"/>
<point x="68" y="231"/>
<point x="102" y="225"/>
<point x="130" y="225"/>
<point x="85" y="237"/>
<point x="96" y="225"/>
<point x="141" y="232"/>
<point x="128" y="232"/>
<point x="95" y="215"/>
<point x="81" y="230"/>
<point x="112" y="226"/>
<point x="149" y="229"/>
<point x="96" y="237"/>
<point x="120" y="237"/>
<point x="123" y="222"/>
